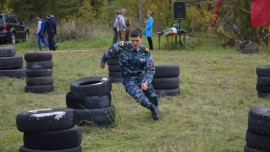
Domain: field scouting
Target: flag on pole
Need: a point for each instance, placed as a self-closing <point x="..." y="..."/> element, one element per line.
<point x="260" y="13"/>
<point x="216" y="13"/>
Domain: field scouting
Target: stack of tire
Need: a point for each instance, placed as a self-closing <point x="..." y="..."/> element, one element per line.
<point x="39" y="72"/>
<point x="263" y="80"/>
<point x="166" y="80"/>
<point x="90" y="99"/>
<point x="114" y="69"/>
<point x="11" y="65"/>
<point x="258" y="133"/>
<point x="49" y="130"/>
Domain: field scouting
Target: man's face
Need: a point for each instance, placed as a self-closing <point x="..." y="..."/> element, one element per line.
<point x="38" y="18"/>
<point x="136" y="42"/>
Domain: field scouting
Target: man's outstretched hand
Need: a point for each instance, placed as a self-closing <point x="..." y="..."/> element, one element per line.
<point x="144" y="86"/>
<point x="102" y="66"/>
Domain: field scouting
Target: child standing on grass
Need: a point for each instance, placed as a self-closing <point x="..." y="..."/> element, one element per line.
<point x="40" y="31"/>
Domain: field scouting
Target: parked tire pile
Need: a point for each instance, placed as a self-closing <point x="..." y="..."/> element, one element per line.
<point x="166" y="80"/>
<point x="258" y="133"/>
<point x="49" y="130"/>
<point x="90" y="99"/>
<point x="114" y="69"/>
<point x="263" y="80"/>
<point x="39" y="72"/>
<point x="11" y="65"/>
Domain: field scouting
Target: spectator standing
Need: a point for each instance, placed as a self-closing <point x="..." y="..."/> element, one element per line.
<point x="120" y="25"/>
<point x="115" y="37"/>
<point x="40" y="31"/>
<point x="50" y="28"/>
<point x="128" y="24"/>
<point x="149" y="29"/>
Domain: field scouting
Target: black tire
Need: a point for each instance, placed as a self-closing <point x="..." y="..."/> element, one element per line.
<point x="263" y="89"/>
<point x="263" y="81"/>
<point x="7" y="51"/>
<point x="38" y="73"/>
<point x="13" y="39"/>
<point x="167" y="71"/>
<point x="14" y="62"/>
<point x="91" y="86"/>
<point x="115" y="75"/>
<point x="39" y="89"/>
<point x="39" y="65"/>
<point x="37" y="56"/>
<point x="101" y="117"/>
<point x="262" y="95"/>
<point x="169" y="92"/>
<point x="115" y="80"/>
<point x="113" y="62"/>
<point x="259" y="120"/>
<point x="76" y="149"/>
<point x="248" y="149"/>
<point x="39" y="81"/>
<point x="89" y="102"/>
<point x="114" y="68"/>
<point x="14" y="73"/>
<point x="258" y="141"/>
<point x="165" y="83"/>
<point x="54" y="140"/>
<point x="263" y="71"/>
<point x="45" y="120"/>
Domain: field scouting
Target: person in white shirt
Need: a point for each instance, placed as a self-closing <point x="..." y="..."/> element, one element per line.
<point x="120" y="24"/>
<point x="40" y="31"/>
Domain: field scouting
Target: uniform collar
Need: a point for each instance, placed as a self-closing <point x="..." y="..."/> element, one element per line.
<point x="137" y="50"/>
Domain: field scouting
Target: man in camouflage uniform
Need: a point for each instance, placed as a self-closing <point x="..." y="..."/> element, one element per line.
<point x="137" y="70"/>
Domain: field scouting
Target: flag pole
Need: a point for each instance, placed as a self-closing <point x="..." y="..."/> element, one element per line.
<point x="269" y="39"/>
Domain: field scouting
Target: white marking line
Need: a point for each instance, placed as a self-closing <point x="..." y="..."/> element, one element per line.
<point x="58" y="115"/>
<point x="39" y="110"/>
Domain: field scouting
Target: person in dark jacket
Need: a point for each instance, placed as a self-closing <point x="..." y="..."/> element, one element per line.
<point x="50" y="28"/>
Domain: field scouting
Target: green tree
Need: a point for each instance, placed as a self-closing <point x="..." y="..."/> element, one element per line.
<point x="86" y="11"/>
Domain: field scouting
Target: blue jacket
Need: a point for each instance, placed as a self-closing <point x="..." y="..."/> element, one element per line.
<point x="41" y="27"/>
<point x="149" y="27"/>
<point x="132" y="62"/>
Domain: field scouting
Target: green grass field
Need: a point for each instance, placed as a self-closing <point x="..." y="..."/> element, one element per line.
<point x="218" y="87"/>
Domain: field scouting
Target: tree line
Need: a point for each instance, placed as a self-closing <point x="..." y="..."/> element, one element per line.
<point x="198" y="16"/>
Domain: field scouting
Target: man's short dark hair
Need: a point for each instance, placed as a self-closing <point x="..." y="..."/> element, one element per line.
<point x="136" y="32"/>
<point x="39" y="16"/>
<point x="48" y="13"/>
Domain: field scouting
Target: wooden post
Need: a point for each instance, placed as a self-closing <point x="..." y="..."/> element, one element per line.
<point x="140" y="13"/>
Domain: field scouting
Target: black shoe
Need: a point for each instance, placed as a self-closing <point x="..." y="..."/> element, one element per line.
<point x="154" y="111"/>
<point x="55" y="48"/>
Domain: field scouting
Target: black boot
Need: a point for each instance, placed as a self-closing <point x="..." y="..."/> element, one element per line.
<point x="154" y="111"/>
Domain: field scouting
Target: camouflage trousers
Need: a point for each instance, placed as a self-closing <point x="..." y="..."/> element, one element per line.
<point x="133" y="88"/>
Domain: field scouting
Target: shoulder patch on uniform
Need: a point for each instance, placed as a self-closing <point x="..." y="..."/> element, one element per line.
<point x="121" y="44"/>
<point x="146" y="49"/>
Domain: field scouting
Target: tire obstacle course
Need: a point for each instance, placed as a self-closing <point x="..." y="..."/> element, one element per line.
<point x="114" y="69"/>
<point x="90" y="99"/>
<point x="39" y="72"/>
<point x="11" y="65"/>
<point x="263" y="80"/>
<point x="166" y="80"/>
<point x="258" y="133"/>
<point x="49" y="130"/>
